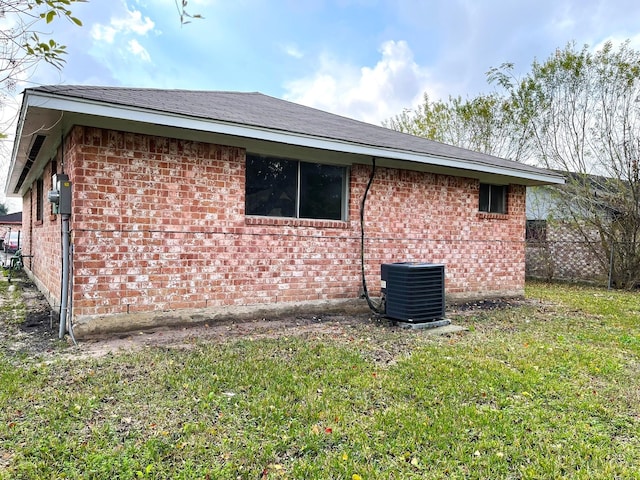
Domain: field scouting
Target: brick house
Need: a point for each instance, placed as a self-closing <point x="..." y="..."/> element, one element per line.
<point x="189" y="205"/>
<point x="10" y="222"/>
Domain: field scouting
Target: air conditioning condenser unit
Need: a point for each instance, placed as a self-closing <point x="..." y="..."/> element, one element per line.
<point x="414" y="292"/>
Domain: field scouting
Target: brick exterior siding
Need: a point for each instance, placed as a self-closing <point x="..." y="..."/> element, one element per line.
<point x="159" y="224"/>
<point x="41" y="238"/>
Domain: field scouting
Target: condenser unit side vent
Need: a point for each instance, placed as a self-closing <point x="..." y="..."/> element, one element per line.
<point x="414" y="292"/>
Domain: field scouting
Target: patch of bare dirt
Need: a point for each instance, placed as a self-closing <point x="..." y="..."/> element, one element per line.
<point x="331" y="325"/>
<point x="34" y="335"/>
<point x="470" y="308"/>
<point x="37" y="336"/>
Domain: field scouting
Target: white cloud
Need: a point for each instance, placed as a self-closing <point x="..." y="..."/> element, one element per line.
<point x="617" y="41"/>
<point x="138" y="50"/>
<point x="103" y="33"/>
<point x="132" y="22"/>
<point x="293" y="51"/>
<point x="369" y="94"/>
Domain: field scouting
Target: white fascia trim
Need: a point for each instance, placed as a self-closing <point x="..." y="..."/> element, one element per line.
<point x="123" y="112"/>
<point x="16" y="145"/>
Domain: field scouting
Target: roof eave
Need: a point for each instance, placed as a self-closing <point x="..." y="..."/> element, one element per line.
<point x="124" y="112"/>
<point x="16" y="145"/>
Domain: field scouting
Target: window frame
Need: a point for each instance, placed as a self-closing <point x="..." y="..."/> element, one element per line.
<point x="54" y="171"/>
<point x="39" y="199"/>
<point x="501" y="190"/>
<point x="298" y="192"/>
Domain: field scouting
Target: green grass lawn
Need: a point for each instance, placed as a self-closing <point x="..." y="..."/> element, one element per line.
<point x="549" y="389"/>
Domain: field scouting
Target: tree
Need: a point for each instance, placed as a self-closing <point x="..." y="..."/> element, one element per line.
<point x="577" y="112"/>
<point x="22" y="46"/>
<point x="584" y="117"/>
<point x="185" y="17"/>
<point x="485" y="124"/>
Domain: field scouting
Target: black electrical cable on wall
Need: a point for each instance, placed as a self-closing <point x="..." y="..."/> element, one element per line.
<point x="379" y="308"/>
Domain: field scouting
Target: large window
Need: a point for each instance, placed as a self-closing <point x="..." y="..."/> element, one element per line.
<point x="276" y="187"/>
<point x="493" y="198"/>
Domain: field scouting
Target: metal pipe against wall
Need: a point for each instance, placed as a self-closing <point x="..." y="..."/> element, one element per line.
<point x="64" y="295"/>
<point x="70" y="309"/>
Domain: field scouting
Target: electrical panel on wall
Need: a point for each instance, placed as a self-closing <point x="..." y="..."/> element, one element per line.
<point x="61" y="195"/>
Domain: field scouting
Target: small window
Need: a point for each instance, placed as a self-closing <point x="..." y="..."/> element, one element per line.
<point x="39" y="199"/>
<point x="277" y="187"/>
<point x="54" y="170"/>
<point x="493" y="198"/>
<point x="536" y="231"/>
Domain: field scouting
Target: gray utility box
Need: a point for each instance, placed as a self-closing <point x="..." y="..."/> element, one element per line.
<point x="414" y="291"/>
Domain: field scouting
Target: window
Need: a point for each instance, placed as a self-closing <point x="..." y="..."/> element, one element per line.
<point x="536" y="231"/>
<point x="277" y="187"/>
<point x="493" y="198"/>
<point x="39" y="199"/>
<point x="54" y="170"/>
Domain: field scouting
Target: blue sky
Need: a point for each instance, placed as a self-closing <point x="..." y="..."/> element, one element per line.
<point x="363" y="58"/>
<point x="366" y="59"/>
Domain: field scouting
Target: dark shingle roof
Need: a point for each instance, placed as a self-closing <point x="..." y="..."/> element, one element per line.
<point x="11" y="218"/>
<point x="262" y="111"/>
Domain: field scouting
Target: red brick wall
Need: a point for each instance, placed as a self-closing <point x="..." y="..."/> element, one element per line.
<point x="413" y="216"/>
<point x="159" y="224"/>
<point x="41" y="238"/>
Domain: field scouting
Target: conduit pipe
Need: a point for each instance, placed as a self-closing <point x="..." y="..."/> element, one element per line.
<point x="64" y="295"/>
<point x="70" y="303"/>
<point x="380" y="307"/>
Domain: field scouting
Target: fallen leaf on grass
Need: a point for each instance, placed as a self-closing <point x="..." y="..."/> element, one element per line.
<point x="272" y="467"/>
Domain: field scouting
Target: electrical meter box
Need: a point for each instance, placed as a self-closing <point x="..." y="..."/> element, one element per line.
<point x="61" y="195"/>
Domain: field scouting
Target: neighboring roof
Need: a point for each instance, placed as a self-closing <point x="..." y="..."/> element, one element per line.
<point x="12" y="218"/>
<point x="258" y="116"/>
<point x="586" y="192"/>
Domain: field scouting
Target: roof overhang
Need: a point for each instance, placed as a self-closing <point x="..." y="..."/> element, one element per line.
<point x="45" y="118"/>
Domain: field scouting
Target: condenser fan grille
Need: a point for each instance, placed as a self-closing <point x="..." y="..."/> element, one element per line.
<point x="414" y="291"/>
